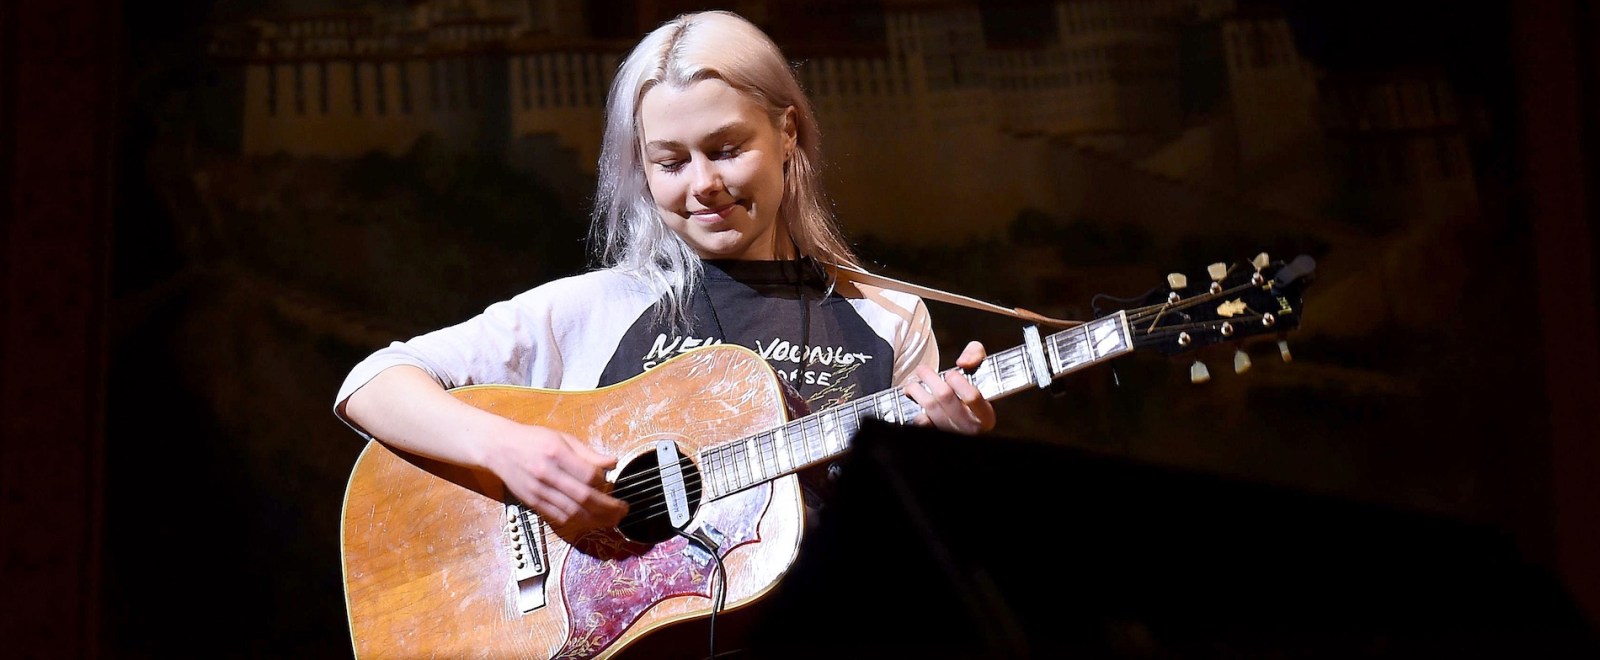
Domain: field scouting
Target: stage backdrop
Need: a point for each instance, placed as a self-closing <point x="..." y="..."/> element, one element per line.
<point x="301" y="182"/>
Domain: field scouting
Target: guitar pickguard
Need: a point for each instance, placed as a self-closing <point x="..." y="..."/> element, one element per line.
<point x="609" y="583"/>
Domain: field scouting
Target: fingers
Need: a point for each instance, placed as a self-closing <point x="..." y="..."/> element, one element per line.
<point x="949" y="401"/>
<point x="593" y="457"/>
<point x="924" y="388"/>
<point x="563" y="480"/>
<point x="971" y="356"/>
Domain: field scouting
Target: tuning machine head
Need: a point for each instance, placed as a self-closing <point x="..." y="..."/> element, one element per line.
<point x="1241" y="361"/>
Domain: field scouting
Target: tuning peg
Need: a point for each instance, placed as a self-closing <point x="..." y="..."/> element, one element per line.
<point x="1198" y="373"/>
<point x="1283" y="351"/>
<point x="1241" y="361"/>
<point x="1177" y="281"/>
<point x="1217" y="271"/>
<point x="1261" y="261"/>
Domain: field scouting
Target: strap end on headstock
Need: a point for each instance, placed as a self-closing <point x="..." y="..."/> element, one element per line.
<point x="1301" y="266"/>
<point x="1041" y="319"/>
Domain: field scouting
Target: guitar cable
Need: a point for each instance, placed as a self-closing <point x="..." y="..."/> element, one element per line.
<point x="719" y="591"/>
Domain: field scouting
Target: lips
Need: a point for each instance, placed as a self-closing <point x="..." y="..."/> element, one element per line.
<point x="716" y="214"/>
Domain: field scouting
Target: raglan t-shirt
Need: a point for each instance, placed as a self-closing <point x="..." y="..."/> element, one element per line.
<point x="600" y="328"/>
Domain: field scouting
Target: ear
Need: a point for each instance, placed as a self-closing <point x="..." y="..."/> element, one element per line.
<point x="791" y="132"/>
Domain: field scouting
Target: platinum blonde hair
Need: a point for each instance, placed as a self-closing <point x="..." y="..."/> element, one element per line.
<point x="627" y="232"/>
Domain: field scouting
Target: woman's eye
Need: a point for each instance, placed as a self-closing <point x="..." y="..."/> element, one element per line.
<point x="670" y="165"/>
<point x="729" y="152"/>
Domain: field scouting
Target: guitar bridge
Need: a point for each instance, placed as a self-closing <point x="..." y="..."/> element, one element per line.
<point x="526" y="552"/>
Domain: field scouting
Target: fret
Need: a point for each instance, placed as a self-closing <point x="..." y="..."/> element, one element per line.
<point x="1013" y="374"/>
<point x="1089" y="343"/>
<point x="907" y="409"/>
<point x="1071" y="349"/>
<point x="750" y="468"/>
<point x="712" y="458"/>
<point x="1054" y="349"/>
<point x="730" y="474"/>
<point x="741" y="467"/>
<point x="813" y="439"/>
<point x="780" y="451"/>
<point x="752" y="453"/>
<point x="830" y="434"/>
<point x="797" y="454"/>
<point x="862" y="409"/>
<point x="769" y="455"/>
<point x="850" y="419"/>
<point x="885" y="408"/>
<point x="1111" y="336"/>
<point x="896" y="402"/>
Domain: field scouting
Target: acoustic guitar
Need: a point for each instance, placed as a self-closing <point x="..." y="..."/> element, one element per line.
<point x="440" y="561"/>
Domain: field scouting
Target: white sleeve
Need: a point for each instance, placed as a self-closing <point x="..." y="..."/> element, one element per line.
<point x="902" y="320"/>
<point x="547" y="337"/>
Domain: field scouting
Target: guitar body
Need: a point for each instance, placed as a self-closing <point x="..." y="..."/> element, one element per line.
<point x="429" y="561"/>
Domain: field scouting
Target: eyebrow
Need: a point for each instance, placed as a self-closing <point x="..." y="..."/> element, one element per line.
<point x="720" y="132"/>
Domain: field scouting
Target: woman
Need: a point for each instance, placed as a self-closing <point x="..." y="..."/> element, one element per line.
<point x="710" y="226"/>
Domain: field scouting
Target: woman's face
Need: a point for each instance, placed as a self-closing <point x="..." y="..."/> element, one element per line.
<point x="714" y="163"/>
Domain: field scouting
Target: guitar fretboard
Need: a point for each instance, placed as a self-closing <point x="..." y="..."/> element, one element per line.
<point x="732" y="466"/>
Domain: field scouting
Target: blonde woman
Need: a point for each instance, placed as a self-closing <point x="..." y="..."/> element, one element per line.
<point x="710" y="227"/>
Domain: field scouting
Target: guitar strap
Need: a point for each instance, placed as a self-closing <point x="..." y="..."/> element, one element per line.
<point x="851" y="274"/>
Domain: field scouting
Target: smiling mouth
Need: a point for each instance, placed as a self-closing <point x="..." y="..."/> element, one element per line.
<point x="715" y="214"/>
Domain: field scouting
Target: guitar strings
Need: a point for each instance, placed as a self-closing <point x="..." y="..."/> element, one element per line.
<point x="653" y="504"/>
<point x="641" y="489"/>
<point x="630" y="486"/>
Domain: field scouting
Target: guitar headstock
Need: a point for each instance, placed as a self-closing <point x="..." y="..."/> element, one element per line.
<point x="1225" y="304"/>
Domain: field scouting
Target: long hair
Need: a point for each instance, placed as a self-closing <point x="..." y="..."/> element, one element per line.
<point x="627" y="232"/>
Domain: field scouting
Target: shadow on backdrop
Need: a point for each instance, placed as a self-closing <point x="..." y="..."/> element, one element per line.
<point x="946" y="546"/>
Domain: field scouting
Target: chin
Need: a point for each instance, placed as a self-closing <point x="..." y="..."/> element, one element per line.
<point x="722" y="250"/>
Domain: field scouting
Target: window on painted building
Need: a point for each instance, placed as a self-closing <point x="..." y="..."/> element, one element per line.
<point x="299" y="88"/>
<point x="272" y="90"/>
<point x="542" y="84"/>
<point x="458" y="77"/>
<point x="322" y="87"/>
<point x="574" y="69"/>
<point x="355" y="85"/>
<point x="405" y="88"/>
<point x="435" y="85"/>
<point x="525" y="80"/>
<point x="380" y="101"/>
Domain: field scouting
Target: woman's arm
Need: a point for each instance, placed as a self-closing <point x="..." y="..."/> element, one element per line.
<point x="554" y="473"/>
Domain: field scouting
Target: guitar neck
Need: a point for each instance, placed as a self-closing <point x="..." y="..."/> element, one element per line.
<point x="733" y="466"/>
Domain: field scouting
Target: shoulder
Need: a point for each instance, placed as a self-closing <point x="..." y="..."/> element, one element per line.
<point x="897" y="303"/>
<point x="587" y="289"/>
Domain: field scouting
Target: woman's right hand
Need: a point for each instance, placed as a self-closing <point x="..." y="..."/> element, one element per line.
<point x="557" y="475"/>
<point x="554" y="473"/>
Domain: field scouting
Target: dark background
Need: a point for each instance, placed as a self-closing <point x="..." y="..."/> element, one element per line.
<point x="171" y="473"/>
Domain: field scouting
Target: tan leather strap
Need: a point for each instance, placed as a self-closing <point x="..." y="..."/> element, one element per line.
<point x="851" y="274"/>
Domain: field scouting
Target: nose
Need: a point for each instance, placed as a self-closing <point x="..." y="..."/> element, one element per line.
<point x="707" y="179"/>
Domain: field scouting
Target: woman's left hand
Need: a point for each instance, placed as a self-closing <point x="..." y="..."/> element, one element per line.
<point x="949" y="401"/>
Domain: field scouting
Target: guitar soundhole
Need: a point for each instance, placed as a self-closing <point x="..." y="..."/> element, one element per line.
<point x="649" y="518"/>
